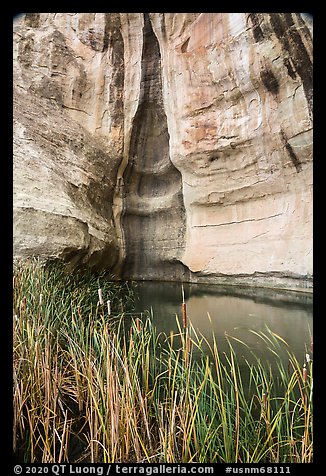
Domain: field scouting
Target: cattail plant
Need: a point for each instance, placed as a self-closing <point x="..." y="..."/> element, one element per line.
<point x="184" y="311"/>
<point x="304" y="373"/>
<point x="264" y="400"/>
<point x="91" y="392"/>
<point x="100" y="296"/>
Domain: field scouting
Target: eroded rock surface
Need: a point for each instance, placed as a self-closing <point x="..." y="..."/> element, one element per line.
<point x="166" y="145"/>
<point x="63" y="181"/>
<point x="154" y="214"/>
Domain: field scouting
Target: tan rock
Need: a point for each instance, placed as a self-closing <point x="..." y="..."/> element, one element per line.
<point x="238" y="91"/>
<point x="166" y="146"/>
<point x="63" y="183"/>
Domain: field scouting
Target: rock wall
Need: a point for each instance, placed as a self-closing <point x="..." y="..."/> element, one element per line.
<point x="68" y="135"/>
<point x="166" y="145"/>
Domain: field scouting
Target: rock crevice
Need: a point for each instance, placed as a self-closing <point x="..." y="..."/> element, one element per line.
<point x="152" y="195"/>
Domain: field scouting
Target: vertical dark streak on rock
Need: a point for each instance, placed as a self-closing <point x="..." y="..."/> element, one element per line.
<point x="256" y="29"/>
<point x="269" y="81"/>
<point x="113" y="39"/>
<point x="154" y="216"/>
<point x="107" y="32"/>
<point x="163" y="27"/>
<point x="296" y="162"/>
<point x="291" y="71"/>
<point x="293" y="45"/>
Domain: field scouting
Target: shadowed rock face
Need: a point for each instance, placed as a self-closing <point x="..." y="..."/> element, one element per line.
<point x="154" y="214"/>
<point x="63" y="181"/>
<point x="166" y="145"/>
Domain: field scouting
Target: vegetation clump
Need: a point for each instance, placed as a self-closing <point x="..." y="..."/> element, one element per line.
<point x="95" y="383"/>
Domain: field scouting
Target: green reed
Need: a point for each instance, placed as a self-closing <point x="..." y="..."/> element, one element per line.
<point x="89" y="386"/>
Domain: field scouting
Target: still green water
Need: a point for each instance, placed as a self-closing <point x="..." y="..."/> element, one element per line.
<point x="232" y="311"/>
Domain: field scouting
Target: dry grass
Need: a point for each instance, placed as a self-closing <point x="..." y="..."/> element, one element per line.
<point x="100" y="388"/>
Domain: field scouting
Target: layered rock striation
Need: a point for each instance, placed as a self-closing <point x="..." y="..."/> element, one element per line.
<point x="170" y="146"/>
<point x="153" y="210"/>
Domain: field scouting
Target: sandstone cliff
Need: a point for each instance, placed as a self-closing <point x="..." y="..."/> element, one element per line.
<point x="166" y="145"/>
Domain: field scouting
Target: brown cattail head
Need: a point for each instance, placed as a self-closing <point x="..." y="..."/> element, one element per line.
<point x="108" y="303"/>
<point x="41" y="299"/>
<point x="184" y="314"/>
<point x="264" y="399"/>
<point x="138" y="324"/>
<point x="190" y="344"/>
<point x="79" y="311"/>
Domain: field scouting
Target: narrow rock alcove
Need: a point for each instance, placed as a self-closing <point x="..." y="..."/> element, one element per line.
<point x="154" y="215"/>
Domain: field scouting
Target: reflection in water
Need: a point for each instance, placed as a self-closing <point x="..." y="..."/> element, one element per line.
<point x="232" y="311"/>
